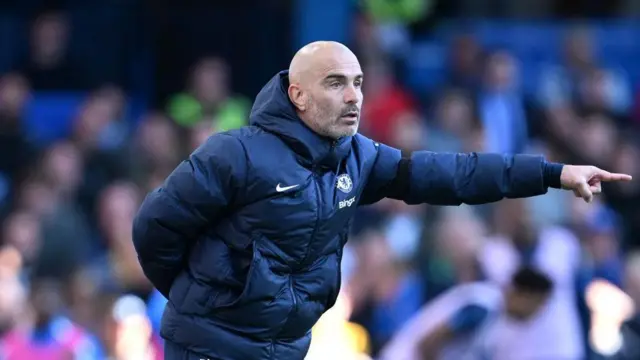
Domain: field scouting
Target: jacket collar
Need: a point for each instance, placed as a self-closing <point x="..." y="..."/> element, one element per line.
<point x="274" y="112"/>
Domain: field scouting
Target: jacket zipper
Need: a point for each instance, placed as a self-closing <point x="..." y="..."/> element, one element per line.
<point x="315" y="227"/>
<point x="315" y="175"/>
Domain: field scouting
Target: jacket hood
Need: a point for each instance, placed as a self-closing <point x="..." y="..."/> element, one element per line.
<point x="274" y="112"/>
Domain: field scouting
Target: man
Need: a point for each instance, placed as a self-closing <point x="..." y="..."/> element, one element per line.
<point x="245" y="237"/>
<point x="473" y="321"/>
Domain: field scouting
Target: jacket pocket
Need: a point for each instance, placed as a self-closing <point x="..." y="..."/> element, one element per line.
<point x="226" y="299"/>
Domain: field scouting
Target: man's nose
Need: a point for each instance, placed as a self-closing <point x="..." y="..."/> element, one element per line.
<point x="350" y="95"/>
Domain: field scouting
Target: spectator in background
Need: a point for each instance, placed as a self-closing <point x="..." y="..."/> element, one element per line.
<point x="627" y="343"/>
<point x="117" y="207"/>
<point x="365" y="38"/>
<point x="156" y="148"/>
<point x="632" y="278"/>
<point x="82" y="293"/>
<point x="127" y="331"/>
<point x="386" y="100"/>
<point x="22" y="230"/>
<point x="596" y="142"/>
<point x="478" y="320"/>
<point x="393" y="288"/>
<point x="103" y="164"/>
<point x="392" y="19"/>
<point x="465" y="60"/>
<point x="625" y="198"/>
<point x="208" y="99"/>
<point x="14" y="93"/>
<point x="402" y="227"/>
<point x="554" y="333"/>
<point x="598" y="139"/>
<point x="334" y="337"/>
<point x="101" y="121"/>
<point x="115" y="133"/>
<point x="455" y="126"/>
<point x="602" y="246"/>
<point x="614" y="328"/>
<point x="408" y="132"/>
<point x="49" y="335"/>
<point x="501" y="106"/>
<point x="48" y="65"/>
<point x="451" y="258"/>
<point x="35" y="196"/>
<point x="397" y="12"/>
<point x="13" y="295"/>
<point x="66" y="237"/>
<point x="567" y="82"/>
<point x="601" y="257"/>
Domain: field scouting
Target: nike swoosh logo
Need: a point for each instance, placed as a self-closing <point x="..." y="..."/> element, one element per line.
<point x="281" y="189"/>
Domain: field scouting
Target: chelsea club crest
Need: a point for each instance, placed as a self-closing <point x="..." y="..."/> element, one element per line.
<point x="344" y="183"/>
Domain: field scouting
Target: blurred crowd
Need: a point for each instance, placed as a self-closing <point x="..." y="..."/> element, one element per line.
<point x="581" y="112"/>
<point x="71" y="284"/>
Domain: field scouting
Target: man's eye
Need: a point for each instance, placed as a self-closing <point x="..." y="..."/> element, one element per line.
<point x="358" y="84"/>
<point x="335" y="85"/>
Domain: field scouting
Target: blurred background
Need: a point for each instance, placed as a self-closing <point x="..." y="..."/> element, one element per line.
<point x="100" y="100"/>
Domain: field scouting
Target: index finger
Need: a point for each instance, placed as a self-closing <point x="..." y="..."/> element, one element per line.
<point x="607" y="176"/>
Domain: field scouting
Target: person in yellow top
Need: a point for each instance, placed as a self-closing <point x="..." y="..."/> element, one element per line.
<point x="208" y="99"/>
<point x="334" y="337"/>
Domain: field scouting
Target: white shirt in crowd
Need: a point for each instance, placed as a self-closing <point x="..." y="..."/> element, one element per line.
<point x="404" y="346"/>
<point x="555" y="332"/>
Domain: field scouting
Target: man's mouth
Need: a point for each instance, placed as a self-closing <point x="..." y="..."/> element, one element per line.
<point x="351" y="115"/>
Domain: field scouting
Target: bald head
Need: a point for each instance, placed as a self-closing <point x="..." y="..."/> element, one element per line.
<point x="316" y="56"/>
<point x="325" y="86"/>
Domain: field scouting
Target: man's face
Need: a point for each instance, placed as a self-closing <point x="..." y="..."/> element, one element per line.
<point x="335" y="97"/>
<point x="522" y="305"/>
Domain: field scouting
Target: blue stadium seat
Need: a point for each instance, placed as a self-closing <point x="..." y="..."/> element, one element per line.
<point x="49" y="115"/>
<point x="535" y="44"/>
<point x="424" y="66"/>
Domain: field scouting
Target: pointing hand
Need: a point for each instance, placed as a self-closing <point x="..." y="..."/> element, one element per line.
<point x="586" y="181"/>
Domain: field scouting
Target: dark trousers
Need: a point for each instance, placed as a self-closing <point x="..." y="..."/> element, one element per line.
<point x="173" y="351"/>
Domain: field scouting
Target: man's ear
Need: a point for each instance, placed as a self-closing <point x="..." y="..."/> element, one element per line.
<point x="297" y="97"/>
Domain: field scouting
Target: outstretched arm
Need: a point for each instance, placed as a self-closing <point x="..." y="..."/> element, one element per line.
<point x="192" y="198"/>
<point x="457" y="178"/>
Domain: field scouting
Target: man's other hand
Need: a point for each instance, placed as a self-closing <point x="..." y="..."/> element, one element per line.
<point x="586" y="181"/>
